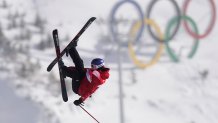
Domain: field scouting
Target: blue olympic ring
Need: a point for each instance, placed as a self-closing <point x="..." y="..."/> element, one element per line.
<point x="112" y="18"/>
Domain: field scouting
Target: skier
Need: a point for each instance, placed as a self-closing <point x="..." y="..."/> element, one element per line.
<point x="85" y="81"/>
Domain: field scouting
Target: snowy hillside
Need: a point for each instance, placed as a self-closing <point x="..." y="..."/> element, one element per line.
<point x="164" y="92"/>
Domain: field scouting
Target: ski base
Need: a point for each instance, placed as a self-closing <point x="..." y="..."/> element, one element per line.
<point x="62" y="81"/>
<point x="51" y="65"/>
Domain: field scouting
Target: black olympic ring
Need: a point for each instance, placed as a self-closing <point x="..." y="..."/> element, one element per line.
<point x="176" y="6"/>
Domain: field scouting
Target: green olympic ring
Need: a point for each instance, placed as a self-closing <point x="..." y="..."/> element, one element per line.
<point x="196" y="42"/>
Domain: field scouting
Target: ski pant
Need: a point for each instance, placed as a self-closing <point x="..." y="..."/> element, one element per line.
<point x="76" y="74"/>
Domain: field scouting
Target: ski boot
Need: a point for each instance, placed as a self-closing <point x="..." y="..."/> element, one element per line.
<point x="74" y="44"/>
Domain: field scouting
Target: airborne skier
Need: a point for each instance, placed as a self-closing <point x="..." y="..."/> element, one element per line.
<point x="85" y="81"/>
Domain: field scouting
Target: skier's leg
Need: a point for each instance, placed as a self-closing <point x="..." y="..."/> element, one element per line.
<point x="75" y="86"/>
<point x="77" y="61"/>
<point x="74" y="74"/>
<point x="67" y="71"/>
<point x="79" y="68"/>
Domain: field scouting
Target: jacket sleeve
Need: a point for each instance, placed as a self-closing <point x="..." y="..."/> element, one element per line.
<point x="84" y="97"/>
<point x="105" y="74"/>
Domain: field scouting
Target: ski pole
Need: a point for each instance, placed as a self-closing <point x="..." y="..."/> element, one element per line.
<point x="89" y="114"/>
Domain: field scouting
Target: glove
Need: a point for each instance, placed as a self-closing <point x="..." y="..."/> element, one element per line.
<point x="78" y="102"/>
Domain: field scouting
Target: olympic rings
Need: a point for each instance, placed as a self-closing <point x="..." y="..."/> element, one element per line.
<point x="211" y="25"/>
<point x="157" y="54"/>
<point x="196" y="42"/>
<point x="172" y="29"/>
<point x="150" y="6"/>
<point x="112" y="16"/>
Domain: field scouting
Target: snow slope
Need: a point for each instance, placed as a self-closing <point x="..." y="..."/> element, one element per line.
<point x="167" y="92"/>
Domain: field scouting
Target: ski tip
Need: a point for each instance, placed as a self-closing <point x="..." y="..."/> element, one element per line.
<point x="65" y="99"/>
<point x="55" y="31"/>
<point x="48" y="69"/>
<point x="92" y="18"/>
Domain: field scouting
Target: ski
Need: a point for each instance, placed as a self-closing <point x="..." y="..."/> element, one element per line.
<point x="51" y="65"/>
<point x="57" y="49"/>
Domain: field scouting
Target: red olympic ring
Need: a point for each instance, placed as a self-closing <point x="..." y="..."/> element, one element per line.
<point x="211" y="25"/>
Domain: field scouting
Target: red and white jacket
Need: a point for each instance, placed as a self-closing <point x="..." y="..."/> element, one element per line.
<point x="91" y="82"/>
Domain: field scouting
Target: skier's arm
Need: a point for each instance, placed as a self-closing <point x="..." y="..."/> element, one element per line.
<point x="84" y="97"/>
<point x="105" y="73"/>
<point x="97" y="80"/>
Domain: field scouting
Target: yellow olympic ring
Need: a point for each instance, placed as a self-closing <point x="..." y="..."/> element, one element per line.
<point x="132" y="53"/>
